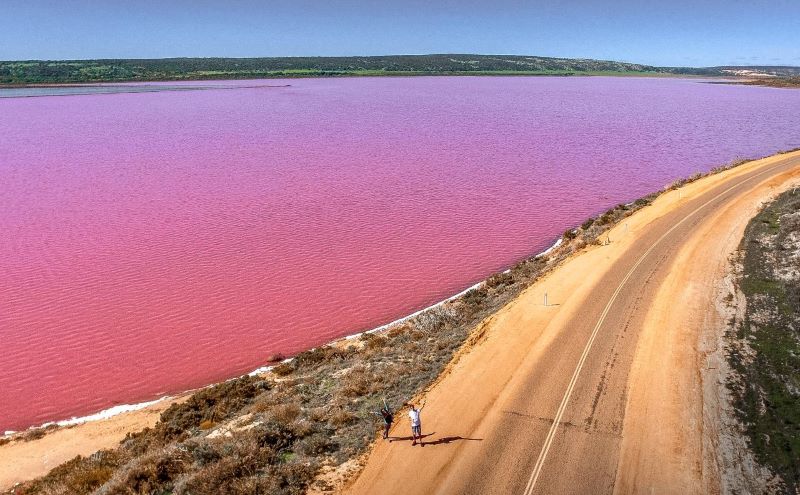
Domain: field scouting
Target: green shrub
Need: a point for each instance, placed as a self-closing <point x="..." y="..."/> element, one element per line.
<point x="499" y="280"/>
<point x="276" y="436"/>
<point x="214" y="404"/>
<point x="203" y="452"/>
<point x="151" y="473"/>
<point x="313" y="357"/>
<point x="373" y="341"/>
<point x="285" y="413"/>
<point x="476" y="296"/>
<point x="317" y="444"/>
<point x="605" y="218"/>
<point x="84" y="475"/>
<point x="355" y="383"/>
<point x="283" y="369"/>
<point x="341" y="417"/>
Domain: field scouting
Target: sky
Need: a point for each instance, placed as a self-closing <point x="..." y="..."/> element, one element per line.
<point x="669" y="33"/>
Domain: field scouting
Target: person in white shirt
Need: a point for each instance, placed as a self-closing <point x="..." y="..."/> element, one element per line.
<point x="416" y="424"/>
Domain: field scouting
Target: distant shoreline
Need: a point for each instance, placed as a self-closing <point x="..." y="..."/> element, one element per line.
<point x="198" y="69"/>
<point x="87" y="71"/>
<point x="97" y="89"/>
<point x="232" y="77"/>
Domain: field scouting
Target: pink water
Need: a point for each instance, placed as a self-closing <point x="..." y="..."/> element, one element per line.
<point x="156" y="242"/>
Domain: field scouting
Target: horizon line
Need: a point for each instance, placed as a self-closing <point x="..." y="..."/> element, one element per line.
<point x="389" y="55"/>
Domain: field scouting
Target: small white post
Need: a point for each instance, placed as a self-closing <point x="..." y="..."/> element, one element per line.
<point x="545" y="298"/>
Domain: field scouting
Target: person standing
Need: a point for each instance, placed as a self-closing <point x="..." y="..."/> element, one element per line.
<point x="388" y="418"/>
<point x="416" y="424"/>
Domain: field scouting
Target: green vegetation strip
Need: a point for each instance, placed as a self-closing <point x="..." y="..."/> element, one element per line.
<point x="766" y="351"/>
<point x="170" y="69"/>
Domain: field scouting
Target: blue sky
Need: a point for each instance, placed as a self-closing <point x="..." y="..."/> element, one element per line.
<point x="677" y="32"/>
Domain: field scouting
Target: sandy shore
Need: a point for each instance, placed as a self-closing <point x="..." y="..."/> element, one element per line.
<point x="22" y="460"/>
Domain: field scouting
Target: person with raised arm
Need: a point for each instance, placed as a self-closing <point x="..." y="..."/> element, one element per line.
<point x="388" y="418"/>
<point x="416" y="424"/>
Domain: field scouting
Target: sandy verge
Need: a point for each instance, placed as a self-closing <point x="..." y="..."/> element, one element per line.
<point x="738" y="470"/>
<point x="675" y="438"/>
<point x="22" y="460"/>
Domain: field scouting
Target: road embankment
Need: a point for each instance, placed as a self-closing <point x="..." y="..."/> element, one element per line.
<point x="604" y="389"/>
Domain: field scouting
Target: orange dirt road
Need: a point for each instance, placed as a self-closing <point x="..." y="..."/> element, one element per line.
<point x="601" y="391"/>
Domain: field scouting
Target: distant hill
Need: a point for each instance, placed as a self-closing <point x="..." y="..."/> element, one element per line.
<point x="107" y="70"/>
<point x="776" y="76"/>
<point x="759" y="70"/>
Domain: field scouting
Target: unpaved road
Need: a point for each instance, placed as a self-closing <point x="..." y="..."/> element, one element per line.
<point x="601" y="391"/>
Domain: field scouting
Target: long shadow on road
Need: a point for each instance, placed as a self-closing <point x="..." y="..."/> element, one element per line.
<point x="440" y="441"/>
<point x="446" y="440"/>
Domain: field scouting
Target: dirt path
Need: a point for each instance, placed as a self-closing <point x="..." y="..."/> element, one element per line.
<point x="602" y="390"/>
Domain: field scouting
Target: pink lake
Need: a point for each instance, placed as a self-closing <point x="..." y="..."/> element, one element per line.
<point x="156" y="242"/>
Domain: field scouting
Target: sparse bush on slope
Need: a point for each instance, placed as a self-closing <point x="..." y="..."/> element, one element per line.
<point x="765" y="352"/>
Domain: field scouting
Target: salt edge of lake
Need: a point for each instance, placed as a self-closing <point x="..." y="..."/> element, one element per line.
<point x="125" y="408"/>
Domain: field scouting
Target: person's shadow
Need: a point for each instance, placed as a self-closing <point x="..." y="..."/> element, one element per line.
<point x="439" y="441"/>
<point x="398" y="439"/>
<point x="446" y="440"/>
